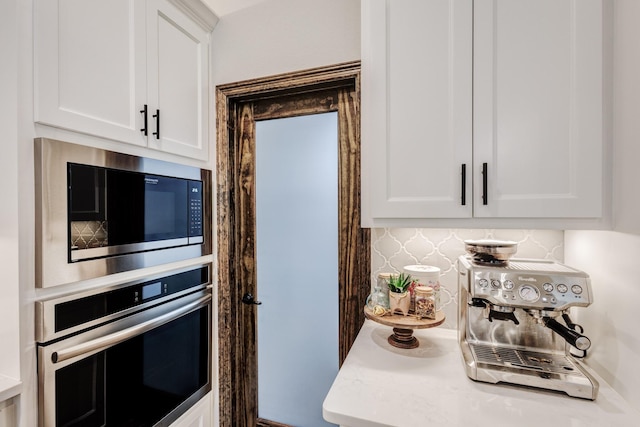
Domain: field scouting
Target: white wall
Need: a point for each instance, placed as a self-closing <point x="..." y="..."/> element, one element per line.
<point x="278" y="36"/>
<point x="626" y="110"/>
<point x="9" y="238"/>
<point x="611" y="257"/>
<point x="611" y="322"/>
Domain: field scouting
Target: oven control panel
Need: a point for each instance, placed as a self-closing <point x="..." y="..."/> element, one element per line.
<point x="65" y="315"/>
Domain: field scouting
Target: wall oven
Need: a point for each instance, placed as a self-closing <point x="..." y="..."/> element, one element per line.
<point x="101" y="212"/>
<point x="137" y="354"/>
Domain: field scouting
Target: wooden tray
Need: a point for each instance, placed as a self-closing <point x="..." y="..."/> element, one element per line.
<point x="403" y="326"/>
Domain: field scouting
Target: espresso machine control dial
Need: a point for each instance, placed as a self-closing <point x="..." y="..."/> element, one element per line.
<point x="529" y="293"/>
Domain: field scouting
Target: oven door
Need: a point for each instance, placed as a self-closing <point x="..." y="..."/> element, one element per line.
<point x="143" y="370"/>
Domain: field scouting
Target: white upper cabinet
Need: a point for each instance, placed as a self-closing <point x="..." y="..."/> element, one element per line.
<point x="416" y="107"/>
<point x="178" y="81"/>
<point x="482" y="109"/>
<point x="538" y="107"/>
<point x="99" y="65"/>
<point x="90" y="66"/>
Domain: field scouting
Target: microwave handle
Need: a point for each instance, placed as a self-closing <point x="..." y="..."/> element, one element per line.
<point x="121" y="336"/>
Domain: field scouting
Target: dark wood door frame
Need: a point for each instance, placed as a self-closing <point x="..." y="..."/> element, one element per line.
<point x="238" y="105"/>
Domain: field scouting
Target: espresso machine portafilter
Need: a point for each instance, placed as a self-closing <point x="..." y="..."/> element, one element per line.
<point x="514" y="324"/>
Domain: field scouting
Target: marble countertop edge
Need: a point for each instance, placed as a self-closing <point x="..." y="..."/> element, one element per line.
<point x="9" y="387"/>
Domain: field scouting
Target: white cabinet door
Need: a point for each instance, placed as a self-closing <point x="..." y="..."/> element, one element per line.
<point x="416" y="108"/>
<point x="178" y="81"/>
<point x="515" y="85"/>
<point x="90" y="68"/>
<point x="538" y="108"/>
<point x="99" y="63"/>
<point x="199" y="415"/>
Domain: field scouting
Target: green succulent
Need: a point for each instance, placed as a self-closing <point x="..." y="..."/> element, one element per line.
<point x="399" y="283"/>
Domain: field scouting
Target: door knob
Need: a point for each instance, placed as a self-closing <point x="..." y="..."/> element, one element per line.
<point x="248" y="299"/>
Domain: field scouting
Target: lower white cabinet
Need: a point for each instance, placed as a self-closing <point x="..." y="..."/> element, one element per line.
<point x="8" y="414"/>
<point x="199" y="415"/>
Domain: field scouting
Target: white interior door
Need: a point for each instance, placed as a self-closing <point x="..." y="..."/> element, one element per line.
<point x="297" y="266"/>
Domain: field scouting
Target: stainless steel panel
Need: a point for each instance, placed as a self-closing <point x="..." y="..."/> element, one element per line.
<point x="45" y="309"/>
<point x="84" y="254"/>
<point x="53" y="264"/>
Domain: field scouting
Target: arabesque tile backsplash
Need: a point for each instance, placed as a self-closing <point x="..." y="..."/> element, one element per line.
<point x="393" y="248"/>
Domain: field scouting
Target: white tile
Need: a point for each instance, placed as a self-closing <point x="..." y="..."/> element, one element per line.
<point x="393" y="248"/>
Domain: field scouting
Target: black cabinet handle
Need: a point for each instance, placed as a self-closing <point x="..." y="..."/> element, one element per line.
<point x="485" y="176"/>
<point x="144" y="120"/>
<point x="157" y="117"/>
<point x="463" y="194"/>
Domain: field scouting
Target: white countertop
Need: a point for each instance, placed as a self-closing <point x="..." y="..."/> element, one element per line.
<point x="9" y="388"/>
<point x="380" y="385"/>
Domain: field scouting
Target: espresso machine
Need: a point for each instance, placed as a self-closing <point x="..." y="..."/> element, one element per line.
<point x="514" y="324"/>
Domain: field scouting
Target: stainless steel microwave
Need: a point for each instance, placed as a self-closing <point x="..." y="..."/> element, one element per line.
<point x="100" y="212"/>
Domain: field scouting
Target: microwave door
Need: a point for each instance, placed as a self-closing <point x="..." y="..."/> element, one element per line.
<point x="125" y="204"/>
<point x="166" y="212"/>
<point x="142" y="209"/>
<point x="86" y="193"/>
<point x="140" y="212"/>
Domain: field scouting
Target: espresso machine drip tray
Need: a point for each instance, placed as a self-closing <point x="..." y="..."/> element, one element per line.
<point x="549" y="371"/>
<point x="519" y="358"/>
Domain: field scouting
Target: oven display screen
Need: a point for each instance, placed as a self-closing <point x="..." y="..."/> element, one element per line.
<point x="152" y="290"/>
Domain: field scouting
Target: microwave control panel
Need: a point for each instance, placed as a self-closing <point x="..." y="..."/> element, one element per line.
<point x="195" y="210"/>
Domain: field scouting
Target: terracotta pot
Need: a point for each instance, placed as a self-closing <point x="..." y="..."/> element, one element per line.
<point x="399" y="302"/>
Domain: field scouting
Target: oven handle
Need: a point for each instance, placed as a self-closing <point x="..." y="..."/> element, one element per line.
<point x="125" y="334"/>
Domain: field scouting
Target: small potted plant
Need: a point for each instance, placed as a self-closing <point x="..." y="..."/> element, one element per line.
<point x="399" y="298"/>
